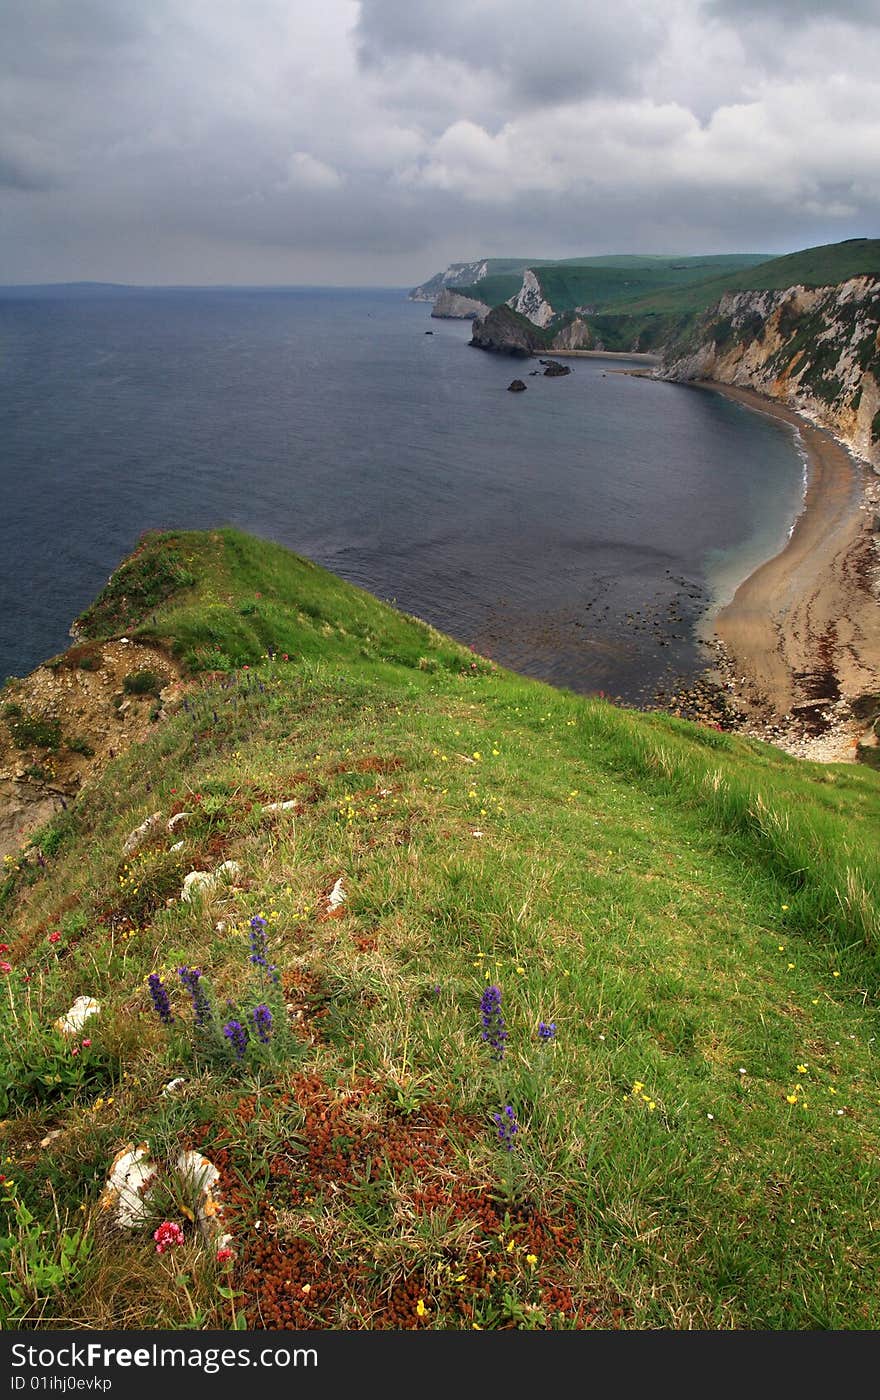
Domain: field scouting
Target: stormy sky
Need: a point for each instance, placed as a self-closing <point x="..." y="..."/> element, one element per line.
<point x="373" y="141"/>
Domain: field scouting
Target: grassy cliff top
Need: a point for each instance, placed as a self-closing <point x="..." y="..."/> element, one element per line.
<point x="691" y="918"/>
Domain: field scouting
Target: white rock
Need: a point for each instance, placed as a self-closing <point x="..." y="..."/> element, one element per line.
<point x="228" y="871"/>
<point x="198" y="1177"/>
<point x="50" y="1137"/>
<point x="280" y="806"/>
<point x="337" y="896"/>
<point x="196" y="884"/>
<point x="178" y="846"/>
<point x="177" y="820"/>
<point x="72" y="1022"/>
<point x="132" y="1177"/>
<point x="171" y="1088"/>
<point x="140" y="834"/>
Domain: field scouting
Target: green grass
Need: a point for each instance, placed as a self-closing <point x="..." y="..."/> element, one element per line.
<point x="696" y="913"/>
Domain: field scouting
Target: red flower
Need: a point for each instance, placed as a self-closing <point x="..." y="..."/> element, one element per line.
<point x="5" y="967"/>
<point x="168" y="1234"/>
<point x="224" y="1256"/>
<point x="54" y="937"/>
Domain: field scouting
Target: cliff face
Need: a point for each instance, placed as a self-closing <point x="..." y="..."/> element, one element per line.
<point x="456" y="275"/>
<point x="816" y="349"/>
<point x="508" y="332"/>
<point x="454" y="307"/>
<point x="531" y="302"/>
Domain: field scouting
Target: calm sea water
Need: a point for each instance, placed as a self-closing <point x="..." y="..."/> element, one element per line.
<point x="575" y="532"/>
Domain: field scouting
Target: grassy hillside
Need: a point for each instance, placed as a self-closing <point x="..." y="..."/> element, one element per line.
<point x="670" y="1121"/>
<point x="604" y="281"/>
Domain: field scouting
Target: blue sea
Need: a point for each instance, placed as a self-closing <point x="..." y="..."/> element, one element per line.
<point x="577" y="532"/>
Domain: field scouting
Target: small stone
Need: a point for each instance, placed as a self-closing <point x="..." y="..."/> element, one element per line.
<point x="72" y="1022"/>
<point x="132" y="1178"/>
<point x="140" y="834"/>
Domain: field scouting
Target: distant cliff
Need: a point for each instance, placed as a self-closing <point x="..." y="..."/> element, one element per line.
<point x="816" y="349"/>
<point x="453" y="306"/>
<point x="462" y="274"/>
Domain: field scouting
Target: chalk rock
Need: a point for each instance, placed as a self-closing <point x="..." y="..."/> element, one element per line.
<point x="203" y="882"/>
<point x="280" y="806"/>
<point x="337" y="896"/>
<point x="196" y="884"/>
<point x="72" y="1022"/>
<point x="179" y="819"/>
<point x="199" y="1178"/>
<point x="132" y="1177"/>
<point x="141" y="834"/>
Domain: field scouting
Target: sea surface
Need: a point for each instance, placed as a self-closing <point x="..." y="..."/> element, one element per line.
<point x="577" y="532"/>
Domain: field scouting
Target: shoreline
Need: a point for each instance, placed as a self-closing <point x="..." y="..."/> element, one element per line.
<point x="800" y="639"/>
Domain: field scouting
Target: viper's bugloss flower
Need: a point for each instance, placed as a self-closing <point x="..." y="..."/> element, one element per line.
<point x="259" y="944"/>
<point x="507" y="1126"/>
<point x="237" y="1036"/>
<point x="159" y="997"/>
<point x="262" y="1019"/>
<point x="494" y="1032"/>
<point x="191" y="979"/>
<point x="168" y="1234"/>
<point x="545" y="1031"/>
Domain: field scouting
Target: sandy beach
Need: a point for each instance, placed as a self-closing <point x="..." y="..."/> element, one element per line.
<point x="802" y="633"/>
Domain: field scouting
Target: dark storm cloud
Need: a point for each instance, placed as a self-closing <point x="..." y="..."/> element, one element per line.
<point x="849" y="11"/>
<point x="277" y="140"/>
<point x="544" y="56"/>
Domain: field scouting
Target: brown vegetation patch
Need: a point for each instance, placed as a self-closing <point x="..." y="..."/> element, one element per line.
<point x="357" y="1155"/>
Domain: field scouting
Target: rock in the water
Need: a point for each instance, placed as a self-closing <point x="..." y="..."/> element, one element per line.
<point x="554" y="369"/>
<point x="516" y="386"/>
<point x="72" y="1022"/>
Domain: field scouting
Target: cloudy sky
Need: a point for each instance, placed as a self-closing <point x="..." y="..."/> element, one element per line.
<point x="373" y="141"/>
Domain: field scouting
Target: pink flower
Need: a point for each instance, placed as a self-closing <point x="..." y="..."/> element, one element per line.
<point x="224" y="1255"/>
<point x="5" y="967"/>
<point x="87" y="1043"/>
<point x="74" y="1049"/>
<point x="4" y="947"/>
<point x="54" y="937"/>
<point x="168" y="1234"/>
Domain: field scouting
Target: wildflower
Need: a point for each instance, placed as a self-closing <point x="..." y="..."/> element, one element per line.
<point x="5" y="967"/>
<point x="53" y="937"/>
<point x="85" y="1044"/>
<point x="507" y="1127"/>
<point x="545" y="1031"/>
<point x="237" y="1036"/>
<point x="159" y="998"/>
<point x="493" y="1021"/>
<point x="421" y="1309"/>
<point x="258" y="941"/>
<point x="225" y="1255"/>
<point x="167" y="1235"/>
<point x="531" y="1260"/>
<point x="262" y="1019"/>
<point x="190" y="978"/>
<point x="802" y="1069"/>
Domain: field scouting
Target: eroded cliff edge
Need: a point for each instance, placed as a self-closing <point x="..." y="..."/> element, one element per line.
<point x="815" y="349"/>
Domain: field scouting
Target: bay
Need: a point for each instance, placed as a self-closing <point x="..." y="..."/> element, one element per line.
<point x="577" y="532"/>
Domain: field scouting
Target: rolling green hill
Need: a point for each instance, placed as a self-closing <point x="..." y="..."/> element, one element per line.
<point x="669" y="1120"/>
